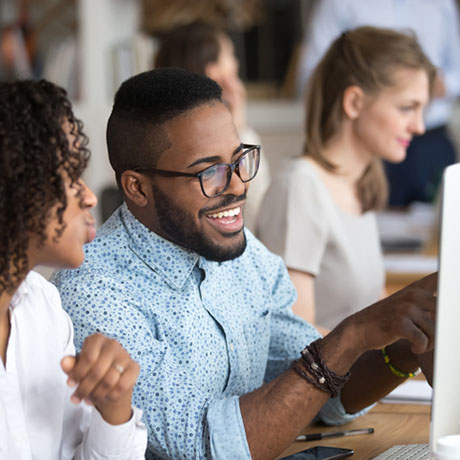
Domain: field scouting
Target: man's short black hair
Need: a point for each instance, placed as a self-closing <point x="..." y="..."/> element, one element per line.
<point x="143" y="103"/>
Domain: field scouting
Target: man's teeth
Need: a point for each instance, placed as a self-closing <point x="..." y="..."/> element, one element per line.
<point x="228" y="213"/>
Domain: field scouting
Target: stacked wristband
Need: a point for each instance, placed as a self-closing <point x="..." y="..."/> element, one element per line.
<point x="313" y="369"/>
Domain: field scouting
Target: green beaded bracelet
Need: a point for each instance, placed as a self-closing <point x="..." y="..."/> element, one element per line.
<point x="394" y="370"/>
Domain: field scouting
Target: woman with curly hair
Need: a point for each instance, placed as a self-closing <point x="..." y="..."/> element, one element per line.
<point x="53" y="404"/>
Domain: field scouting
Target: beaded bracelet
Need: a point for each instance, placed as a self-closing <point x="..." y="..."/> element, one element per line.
<point x="396" y="371"/>
<point x="314" y="370"/>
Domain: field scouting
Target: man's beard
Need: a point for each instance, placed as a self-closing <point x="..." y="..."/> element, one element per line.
<point x="178" y="228"/>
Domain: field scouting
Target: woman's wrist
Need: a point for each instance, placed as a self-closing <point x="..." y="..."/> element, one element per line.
<point x="116" y="413"/>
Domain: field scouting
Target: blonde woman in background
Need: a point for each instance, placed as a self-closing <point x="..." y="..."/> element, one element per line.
<point x="365" y="104"/>
<point x="208" y="50"/>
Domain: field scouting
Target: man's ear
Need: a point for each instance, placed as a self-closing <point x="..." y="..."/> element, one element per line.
<point x="136" y="187"/>
<point x="353" y="101"/>
<point x="212" y="71"/>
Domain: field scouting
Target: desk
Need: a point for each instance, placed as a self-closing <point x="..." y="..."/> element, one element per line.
<point x="403" y="269"/>
<point x="393" y="424"/>
<point x="396" y="281"/>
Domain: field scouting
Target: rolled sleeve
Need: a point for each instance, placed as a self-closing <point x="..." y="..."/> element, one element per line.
<point x="228" y="435"/>
<point x="333" y="412"/>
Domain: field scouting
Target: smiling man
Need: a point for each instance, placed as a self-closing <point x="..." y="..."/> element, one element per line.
<point x="185" y="174"/>
<point x="203" y="306"/>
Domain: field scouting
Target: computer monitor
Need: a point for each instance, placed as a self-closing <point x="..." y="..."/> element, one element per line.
<point x="445" y="410"/>
<point x="445" y="413"/>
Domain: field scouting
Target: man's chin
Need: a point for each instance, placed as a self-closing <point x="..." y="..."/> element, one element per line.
<point x="223" y="253"/>
<point x="238" y="234"/>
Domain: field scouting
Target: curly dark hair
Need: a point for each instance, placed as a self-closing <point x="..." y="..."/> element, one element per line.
<point x="34" y="155"/>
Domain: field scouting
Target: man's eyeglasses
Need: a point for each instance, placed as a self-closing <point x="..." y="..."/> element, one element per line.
<point x="215" y="179"/>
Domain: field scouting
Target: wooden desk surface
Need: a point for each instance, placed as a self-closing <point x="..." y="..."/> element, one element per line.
<point x="396" y="281"/>
<point x="393" y="424"/>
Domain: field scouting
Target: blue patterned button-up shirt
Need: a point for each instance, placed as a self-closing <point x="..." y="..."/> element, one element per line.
<point x="203" y="332"/>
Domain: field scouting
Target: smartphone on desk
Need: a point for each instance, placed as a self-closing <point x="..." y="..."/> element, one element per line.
<point x="321" y="453"/>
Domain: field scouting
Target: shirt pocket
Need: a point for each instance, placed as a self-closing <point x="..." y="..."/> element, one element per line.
<point x="257" y="337"/>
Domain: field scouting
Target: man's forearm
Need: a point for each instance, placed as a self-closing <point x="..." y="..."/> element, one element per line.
<point x="371" y="379"/>
<point x="276" y="413"/>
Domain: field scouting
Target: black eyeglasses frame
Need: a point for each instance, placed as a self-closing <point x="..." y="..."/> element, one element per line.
<point x="234" y="166"/>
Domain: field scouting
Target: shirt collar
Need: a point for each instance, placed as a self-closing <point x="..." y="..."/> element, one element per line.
<point x="172" y="262"/>
<point x="21" y="293"/>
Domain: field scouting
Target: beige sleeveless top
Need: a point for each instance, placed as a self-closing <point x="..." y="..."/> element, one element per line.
<point x="299" y="221"/>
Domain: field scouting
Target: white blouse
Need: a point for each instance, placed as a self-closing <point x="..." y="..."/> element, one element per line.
<point x="37" y="419"/>
<point x="300" y="221"/>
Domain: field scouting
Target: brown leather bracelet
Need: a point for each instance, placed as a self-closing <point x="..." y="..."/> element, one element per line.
<point x="313" y="369"/>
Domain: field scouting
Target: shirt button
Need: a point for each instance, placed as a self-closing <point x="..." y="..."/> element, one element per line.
<point x="232" y="348"/>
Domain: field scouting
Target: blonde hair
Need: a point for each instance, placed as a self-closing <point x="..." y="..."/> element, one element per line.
<point x="366" y="57"/>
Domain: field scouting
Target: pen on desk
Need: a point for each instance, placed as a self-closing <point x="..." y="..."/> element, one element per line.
<point x="334" y="434"/>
